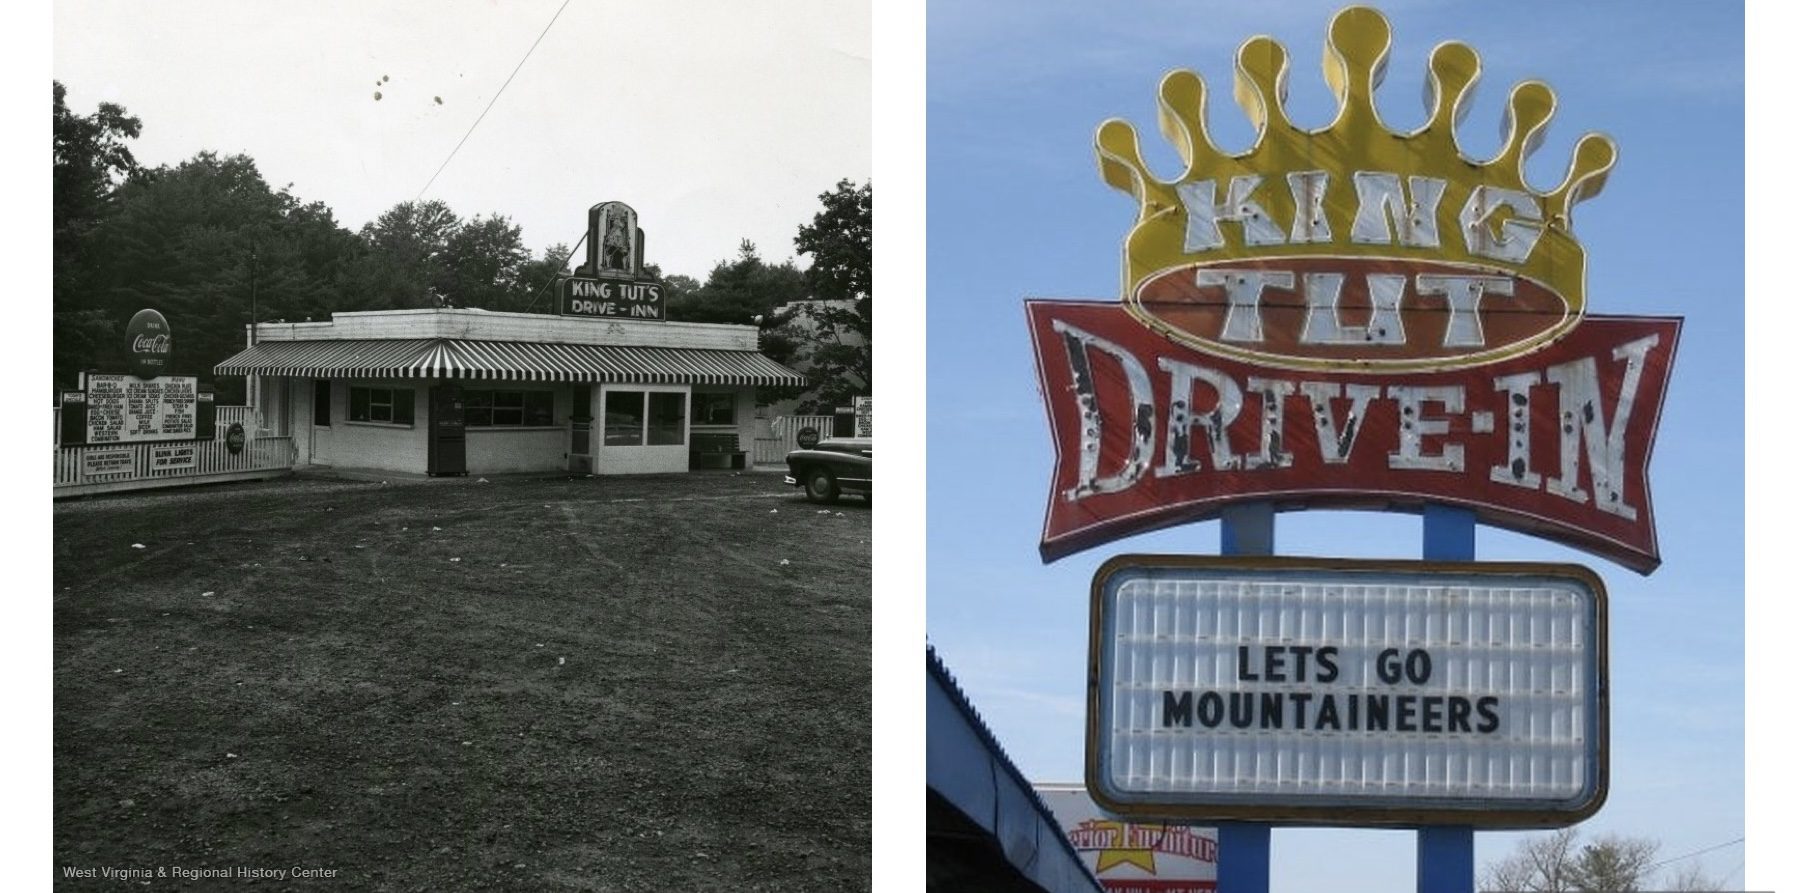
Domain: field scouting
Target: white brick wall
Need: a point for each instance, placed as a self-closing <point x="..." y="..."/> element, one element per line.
<point x="528" y="449"/>
<point x="373" y="444"/>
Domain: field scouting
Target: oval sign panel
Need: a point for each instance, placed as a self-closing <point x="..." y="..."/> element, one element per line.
<point x="149" y="344"/>
<point x="234" y="438"/>
<point x="1374" y="313"/>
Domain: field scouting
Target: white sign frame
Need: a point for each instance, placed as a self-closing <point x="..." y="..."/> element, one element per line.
<point x="176" y="457"/>
<point x="152" y="419"/>
<point x="96" y="464"/>
<point x="1184" y="760"/>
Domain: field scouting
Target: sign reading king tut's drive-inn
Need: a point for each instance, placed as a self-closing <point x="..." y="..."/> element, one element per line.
<point x="1355" y="317"/>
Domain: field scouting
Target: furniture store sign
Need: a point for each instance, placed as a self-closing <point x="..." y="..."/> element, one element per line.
<point x="1133" y="857"/>
<point x="1347" y="692"/>
<point x="1352" y="316"/>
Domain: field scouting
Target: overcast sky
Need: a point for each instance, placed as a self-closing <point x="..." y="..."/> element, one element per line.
<point x="716" y="120"/>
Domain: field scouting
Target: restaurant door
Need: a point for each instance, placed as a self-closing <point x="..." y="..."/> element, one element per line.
<point x="448" y="453"/>
<point x="580" y="431"/>
<point x="320" y="446"/>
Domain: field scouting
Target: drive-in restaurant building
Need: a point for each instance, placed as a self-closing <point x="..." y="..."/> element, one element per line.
<point x="454" y="391"/>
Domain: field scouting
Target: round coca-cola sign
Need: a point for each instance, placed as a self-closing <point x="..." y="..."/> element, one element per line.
<point x="148" y="344"/>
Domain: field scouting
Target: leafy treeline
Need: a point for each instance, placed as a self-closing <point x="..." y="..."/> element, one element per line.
<point x="209" y="243"/>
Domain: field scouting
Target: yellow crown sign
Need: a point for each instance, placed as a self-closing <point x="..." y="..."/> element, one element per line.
<point x="1353" y="246"/>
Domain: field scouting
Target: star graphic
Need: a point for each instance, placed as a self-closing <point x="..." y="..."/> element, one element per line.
<point x="1141" y="858"/>
<point x="1113" y="856"/>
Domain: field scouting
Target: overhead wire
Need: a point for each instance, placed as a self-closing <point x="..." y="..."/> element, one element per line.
<point x="490" y="102"/>
<point x="554" y="276"/>
<point x="1696" y="853"/>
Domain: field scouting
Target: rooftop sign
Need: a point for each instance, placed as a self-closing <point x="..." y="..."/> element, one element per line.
<point x="612" y="283"/>
<point x="1352" y="316"/>
<point x="1347" y="692"/>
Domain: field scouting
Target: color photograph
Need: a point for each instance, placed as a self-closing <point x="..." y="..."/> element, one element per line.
<point x="1366" y="510"/>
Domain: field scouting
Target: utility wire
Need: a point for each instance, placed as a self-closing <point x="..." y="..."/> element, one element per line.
<point x="490" y="102"/>
<point x="552" y="279"/>
<point x="1696" y="853"/>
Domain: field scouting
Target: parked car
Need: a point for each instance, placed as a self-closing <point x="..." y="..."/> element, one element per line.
<point x="833" y="467"/>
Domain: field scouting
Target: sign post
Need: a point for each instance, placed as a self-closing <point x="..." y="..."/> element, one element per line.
<point x="1245" y="849"/>
<point x="1445" y="852"/>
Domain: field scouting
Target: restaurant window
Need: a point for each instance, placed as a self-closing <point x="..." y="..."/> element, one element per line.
<point x="509" y="409"/>
<point x="714" y="409"/>
<point x="667" y="419"/>
<point x="639" y="418"/>
<point x="624" y="418"/>
<point x="388" y="405"/>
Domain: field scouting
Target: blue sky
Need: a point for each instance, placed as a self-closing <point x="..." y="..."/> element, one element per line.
<point x="1016" y="209"/>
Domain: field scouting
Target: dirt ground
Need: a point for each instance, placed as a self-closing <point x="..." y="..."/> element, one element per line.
<point x="654" y="683"/>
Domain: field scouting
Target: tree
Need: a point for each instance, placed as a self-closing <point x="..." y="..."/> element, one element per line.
<point x="831" y="336"/>
<point x="487" y="264"/>
<point x="406" y="257"/>
<point x="1614" y="865"/>
<point x="422" y="254"/>
<point x="205" y="242"/>
<point x="89" y="159"/>
<point x="538" y="280"/>
<point x="1609" y="864"/>
<point x="1693" y="878"/>
<point x="739" y="291"/>
<point x="1540" y="865"/>
<point x="840" y="241"/>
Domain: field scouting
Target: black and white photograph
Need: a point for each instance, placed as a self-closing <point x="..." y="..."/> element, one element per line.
<point x="464" y="442"/>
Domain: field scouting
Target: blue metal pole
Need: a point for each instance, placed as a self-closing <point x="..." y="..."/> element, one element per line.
<point x="1247" y="530"/>
<point x="1243" y="857"/>
<point x="1447" y="533"/>
<point x="1444" y="853"/>
<point x="1244" y="850"/>
<point x="1444" y="859"/>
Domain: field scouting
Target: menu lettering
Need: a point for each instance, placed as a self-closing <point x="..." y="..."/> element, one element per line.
<point x="128" y="409"/>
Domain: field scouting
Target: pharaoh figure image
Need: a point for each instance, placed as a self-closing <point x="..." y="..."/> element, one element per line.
<point x="614" y="232"/>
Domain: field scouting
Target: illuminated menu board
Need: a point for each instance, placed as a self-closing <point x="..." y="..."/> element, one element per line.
<point x="128" y="409"/>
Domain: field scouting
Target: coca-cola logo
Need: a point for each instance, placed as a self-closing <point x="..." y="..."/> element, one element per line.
<point x="152" y="345"/>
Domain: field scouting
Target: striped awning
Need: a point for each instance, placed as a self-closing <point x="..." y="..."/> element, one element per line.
<point x="508" y="361"/>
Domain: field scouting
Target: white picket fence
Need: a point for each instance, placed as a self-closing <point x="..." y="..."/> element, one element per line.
<point x="773" y="450"/>
<point x="213" y="461"/>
